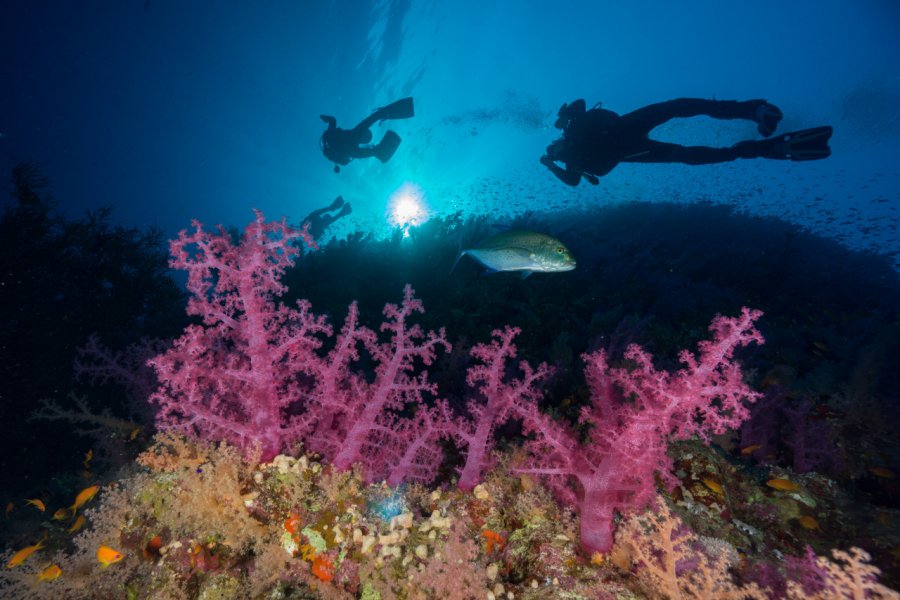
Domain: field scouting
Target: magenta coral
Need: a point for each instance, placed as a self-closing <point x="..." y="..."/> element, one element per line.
<point x="234" y="377"/>
<point x="633" y="414"/>
<point x="358" y="421"/>
<point x="253" y="374"/>
<point x="494" y="402"/>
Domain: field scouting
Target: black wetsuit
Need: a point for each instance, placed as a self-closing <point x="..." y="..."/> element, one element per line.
<point x="319" y="219"/>
<point x="594" y="141"/>
<point x="342" y="145"/>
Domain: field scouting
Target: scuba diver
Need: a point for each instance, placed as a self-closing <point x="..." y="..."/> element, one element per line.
<point x="319" y="220"/>
<point x="343" y="145"/>
<point x="594" y="141"/>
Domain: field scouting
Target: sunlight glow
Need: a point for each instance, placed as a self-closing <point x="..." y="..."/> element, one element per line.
<point x="406" y="208"/>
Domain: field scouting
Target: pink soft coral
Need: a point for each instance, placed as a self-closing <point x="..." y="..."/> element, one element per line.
<point x="494" y="401"/>
<point x="633" y="414"/>
<point x="254" y="373"/>
<point x="235" y="376"/>
<point x="359" y="421"/>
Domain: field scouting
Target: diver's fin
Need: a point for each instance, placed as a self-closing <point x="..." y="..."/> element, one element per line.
<point x="401" y="109"/>
<point x="807" y="144"/>
<point x="387" y="146"/>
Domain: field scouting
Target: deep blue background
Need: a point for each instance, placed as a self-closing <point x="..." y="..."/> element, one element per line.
<point x="178" y="110"/>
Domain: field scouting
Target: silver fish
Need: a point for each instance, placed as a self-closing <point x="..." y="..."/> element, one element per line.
<point x="520" y="250"/>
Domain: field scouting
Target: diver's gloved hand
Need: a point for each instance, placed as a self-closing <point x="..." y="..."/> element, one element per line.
<point x="546" y="160"/>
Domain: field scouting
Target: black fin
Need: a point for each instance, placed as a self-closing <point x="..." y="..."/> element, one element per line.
<point x="387" y="146"/>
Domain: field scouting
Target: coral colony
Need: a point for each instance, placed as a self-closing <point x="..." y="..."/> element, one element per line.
<point x="298" y="458"/>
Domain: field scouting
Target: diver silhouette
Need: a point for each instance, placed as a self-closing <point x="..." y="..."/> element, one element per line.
<point x="343" y="145"/>
<point x="319" y="220"/>
<point x="594" y="141"/>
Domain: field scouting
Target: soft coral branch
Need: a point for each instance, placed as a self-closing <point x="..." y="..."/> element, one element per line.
<point x="353" y="414"/>
<point x="235" y="376"/>
<point x="628" y="439"/>
<point x="494" y="401"/>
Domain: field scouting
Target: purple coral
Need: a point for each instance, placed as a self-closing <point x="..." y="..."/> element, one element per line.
<point x="234" y="376"/>
<point x="633" y="413"/>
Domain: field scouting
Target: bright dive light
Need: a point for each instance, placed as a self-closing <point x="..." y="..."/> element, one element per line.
<point x="407" y="207"/>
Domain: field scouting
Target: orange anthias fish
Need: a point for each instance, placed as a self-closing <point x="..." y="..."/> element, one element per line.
<point x="50" y="573"/>
<point x="88" y="456"/>
<point x="808" y="522"/>
<point x="785" y="485"/>
<point x="84" y="496"/>
<point x="19" y="557"/>
<point x="37" y="503"/>
<point x="78" y="524"/>
<point x="750" y="449"/>
<point x="61" y="514"/>
<point x="882" y="472"/>
<point x="108" y="556"/>
<point x="713" y="485"/>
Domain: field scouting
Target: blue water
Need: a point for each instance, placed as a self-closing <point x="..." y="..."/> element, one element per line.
<point x="177" y="110"/>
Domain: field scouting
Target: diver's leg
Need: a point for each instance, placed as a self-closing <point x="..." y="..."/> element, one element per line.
<point x="369" y="121"/>
<point x="316" y="213"/>
<point x="363" y="152"/>
<point x="649" y="117"/>
<point x="399" y="109"/>
<point x="325" y="222"/>
<point x="662" y="152"/>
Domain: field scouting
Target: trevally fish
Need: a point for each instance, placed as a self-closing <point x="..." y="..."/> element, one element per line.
<point x="520" y="250"/>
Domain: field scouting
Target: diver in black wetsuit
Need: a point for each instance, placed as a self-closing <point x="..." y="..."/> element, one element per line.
<point x="343" y="145"/>
<point x="594" y="141"/>
<point x="319" y="219"/>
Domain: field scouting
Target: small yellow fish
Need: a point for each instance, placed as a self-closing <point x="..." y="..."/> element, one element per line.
<point x="882" y="472"/>
<point x="9" y="507"/>
<point x="134" y="433"/>
<point x="808" y="522"/>
<point x="50" y="573"/>
<point x="785" y="485"/>
<point x="19" y="557"/>
<point x="37" y="503"/>
<point x="713" y="485"/>
<point x="61" y="514"/>
<point x="88" y="456"/>
<point x="78" y="524"/>
<point x="108" y="556"/>
<point x="83" y="497"/>
<point x="750" y="449"/>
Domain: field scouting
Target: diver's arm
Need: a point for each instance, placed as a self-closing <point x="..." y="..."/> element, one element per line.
<point x="567" y="176"/>
<point x="332" y="122"/>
